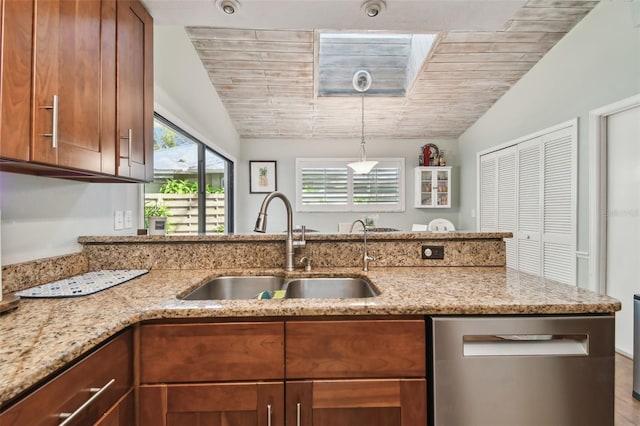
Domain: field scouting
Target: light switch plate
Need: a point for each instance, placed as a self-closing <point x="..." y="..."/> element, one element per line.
<point x="118" y="220"/>
<point x="128" y="219"/>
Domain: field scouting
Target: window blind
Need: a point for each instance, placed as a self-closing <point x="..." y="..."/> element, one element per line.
<point x="329" y="185"/>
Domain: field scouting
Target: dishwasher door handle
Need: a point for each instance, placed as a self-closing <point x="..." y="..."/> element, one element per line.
<point x="525" y="344"/>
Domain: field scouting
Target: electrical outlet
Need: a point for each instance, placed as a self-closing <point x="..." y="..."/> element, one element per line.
<point x="118" y="220"/>
<point x="433" y="252"/>
<point x="128" y="219"/>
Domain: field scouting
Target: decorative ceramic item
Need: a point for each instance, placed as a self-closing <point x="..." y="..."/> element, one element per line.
<point x="430" y="154"/>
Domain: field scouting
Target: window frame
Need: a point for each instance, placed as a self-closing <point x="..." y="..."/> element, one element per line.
<point x="229" y="221"/>
<point x="350" y="206"/>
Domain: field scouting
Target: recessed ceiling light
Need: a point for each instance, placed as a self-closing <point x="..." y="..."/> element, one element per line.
<point x="373" y="8"/>
<point x="229" y="7"/>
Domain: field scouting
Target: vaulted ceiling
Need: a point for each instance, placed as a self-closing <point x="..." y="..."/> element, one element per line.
<point x="268" y="78"/>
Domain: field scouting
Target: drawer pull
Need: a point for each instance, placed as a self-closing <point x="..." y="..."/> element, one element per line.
<point x="54" y="126"/>
<point x="268" y="414"/>
<point x="96" y="394"/>
<point x="298" y="414"/>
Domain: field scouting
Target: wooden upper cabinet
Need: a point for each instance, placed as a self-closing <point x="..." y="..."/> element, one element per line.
<point x="76" y="89"/>
<point x="135" y="91"/>
<point x="72" y="58"/>
<point x="15" y="78"/>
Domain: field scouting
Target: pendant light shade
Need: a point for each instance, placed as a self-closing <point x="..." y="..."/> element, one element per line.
<point x="362" y="83"/>
<point x="362" y="167"/>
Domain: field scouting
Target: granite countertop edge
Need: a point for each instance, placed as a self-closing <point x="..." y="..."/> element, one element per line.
<point x="310" y="236"/>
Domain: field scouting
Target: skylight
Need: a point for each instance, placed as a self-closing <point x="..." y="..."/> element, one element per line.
<point x="394" y="61"/>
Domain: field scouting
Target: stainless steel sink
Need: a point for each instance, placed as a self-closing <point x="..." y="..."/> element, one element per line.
<point x="335" y="288"/>
<point x="249" y="286"/>
<point x="235" y="287"/>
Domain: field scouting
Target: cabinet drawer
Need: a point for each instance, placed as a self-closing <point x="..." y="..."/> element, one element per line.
<point x="353" y="349"/>
<point x="174" y="353"/>
<point x="71" y="389"/>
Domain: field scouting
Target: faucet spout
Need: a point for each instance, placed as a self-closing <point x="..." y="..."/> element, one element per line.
<point x="365" y="255"/>
<point x="261" y="226"/>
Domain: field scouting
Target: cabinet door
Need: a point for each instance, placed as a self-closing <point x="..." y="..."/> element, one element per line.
<point x="229" y="404"/>
<point x="424" y="188"/>
<point x="390" y="402"/>
<point x="442" y="179"/>
<point x="135" y="91"/>
<point x="123" y="413"/>
<point x="68" y="83"/>
<point x="15" y="78"/>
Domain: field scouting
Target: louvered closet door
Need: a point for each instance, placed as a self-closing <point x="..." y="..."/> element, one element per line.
<point x="498" y="197"/>
<point x="488" y="193"/>
<point x="558" y="237"/>
<point x="507" y="200"/>
<point x="529" y="206"/>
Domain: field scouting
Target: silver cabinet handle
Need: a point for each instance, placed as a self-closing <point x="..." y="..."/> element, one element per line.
<point x="268" y="414"/>
<point x="130" y="134"/>
<point x="129" y="138"/>
<point x="96" y="394"/>
<point x="298" y="414"/>
<point x="54" y="122"/>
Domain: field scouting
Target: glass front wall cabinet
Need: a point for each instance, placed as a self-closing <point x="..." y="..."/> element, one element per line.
<point x="432" y="187"/>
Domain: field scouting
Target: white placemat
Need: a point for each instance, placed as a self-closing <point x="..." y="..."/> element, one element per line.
<point x="82" y="285"/>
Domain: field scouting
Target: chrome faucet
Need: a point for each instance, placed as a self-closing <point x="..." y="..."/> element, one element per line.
<point x="365" y="256"/>
<point x="261" y="226"/>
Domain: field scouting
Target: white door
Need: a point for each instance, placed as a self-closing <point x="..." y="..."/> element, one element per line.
<point x="529" y="206"/>
<point x="558" y="212"/>
<point x="623" y="219"/>
<point x="507" y="200"/>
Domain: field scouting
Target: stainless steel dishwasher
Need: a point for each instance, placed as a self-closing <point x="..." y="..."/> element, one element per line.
<point x="521" y="371"/>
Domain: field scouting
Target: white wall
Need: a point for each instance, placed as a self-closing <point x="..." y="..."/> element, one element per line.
<point x="184" y="94"/>
<point x="43" y="217"/>
<point x="595" y="64"/>
<point x="286" y="151"/>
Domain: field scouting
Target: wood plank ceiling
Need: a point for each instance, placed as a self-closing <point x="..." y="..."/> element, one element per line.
<point x="268" y="82"/>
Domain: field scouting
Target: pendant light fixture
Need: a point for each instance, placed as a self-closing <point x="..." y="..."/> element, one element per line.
<point x="362" y="83"/>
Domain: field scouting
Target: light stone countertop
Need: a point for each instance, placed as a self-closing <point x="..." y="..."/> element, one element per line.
<point x="43" y="335"/>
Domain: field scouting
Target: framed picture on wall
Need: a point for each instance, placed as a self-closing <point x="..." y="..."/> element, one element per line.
<point x="262" y="177"/>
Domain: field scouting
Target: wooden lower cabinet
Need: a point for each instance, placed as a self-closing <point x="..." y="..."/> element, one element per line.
<point x="123" y="413"/>
<point x="365" y="372"/>
<point x="383" y="402"/>
<point x="90" y="389"/>
<point x="212" y="404"/>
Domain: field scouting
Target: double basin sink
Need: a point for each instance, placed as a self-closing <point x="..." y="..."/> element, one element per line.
<point x="250" y="286"/>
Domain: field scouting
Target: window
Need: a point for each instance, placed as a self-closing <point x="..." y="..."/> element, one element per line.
<point x="324" y="185"/>
<point x="192" y="183"/>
